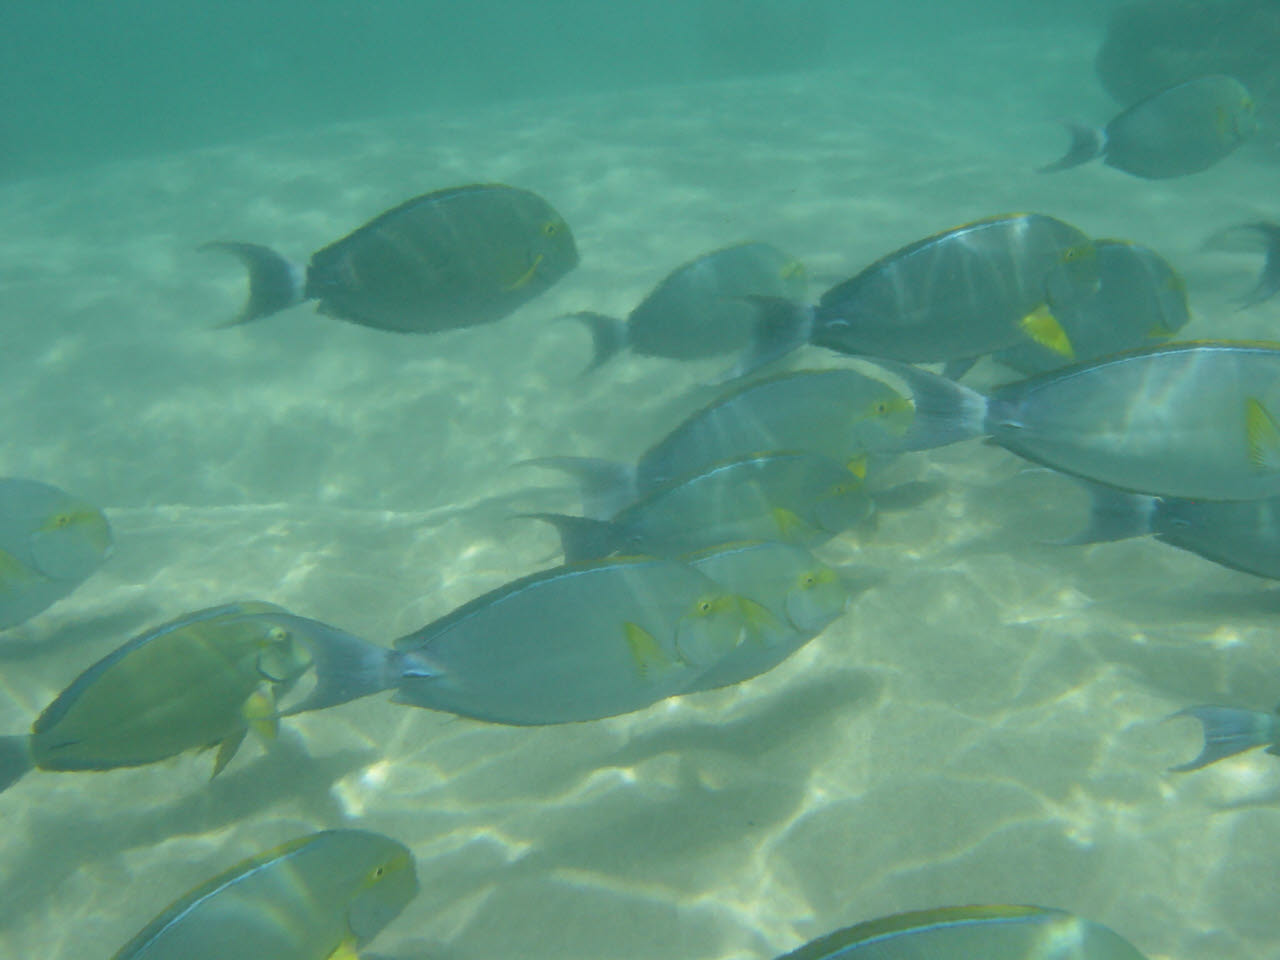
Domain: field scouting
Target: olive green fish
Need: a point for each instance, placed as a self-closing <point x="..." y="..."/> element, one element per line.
<point x="1140" y="301"/>
<point x="200" y="681"/>
<point x="1183" y="129"/>
<point x="50" y="542"/>
<point x="700" y="309"/>
<point x="951" y="297"/>
<point x="454" y="258"/>
<point x="996" y="932"/>
<point x="573" y="643"/>
<point x="319" y="897"/>
<point x="792" y="497"/>
<point x="1194" y="420"/>
<point x="790" y="595"/>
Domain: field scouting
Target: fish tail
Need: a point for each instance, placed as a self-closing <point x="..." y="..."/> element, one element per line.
<point x="1269" y="280"/>
<point x="15" y="760"/>
<point x="608" y="336"/>
<point x="275" y="282"/>
<point x="581" y="538"/>
<point x="1228" y="731"/>
<point x="1086" y="143"/>
<point x="1114" y="515"/>
<point x="781" y="326"/>
<point x="346" y="667"/>
<point x="606" y="486"/>
<point x="945" y="411"/>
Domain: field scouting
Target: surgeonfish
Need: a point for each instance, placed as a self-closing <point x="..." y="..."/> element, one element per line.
<point x="319" y="897"/>
<point x="791" y="597"/>
<point x="1140" y="301"/>
<point x="573" y="643"/>
<point x="951" y="297"/>
<point x="1269" y="279"/>
<point x="793" y="497"/>
<point x="50" y="542"/>
<point x="1192" y="420"/>
<point x="453" y="258"/>
<point x="200" y="681"/>
<point x="1230" y="730"/>
<point x="1241" y="534"/>
<point x="1183" y="129"/>
<point x="700" y="308"/>
<point x="997" y="932"/>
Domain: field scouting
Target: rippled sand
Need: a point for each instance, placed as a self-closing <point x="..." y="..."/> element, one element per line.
<point x="986" y="724"/>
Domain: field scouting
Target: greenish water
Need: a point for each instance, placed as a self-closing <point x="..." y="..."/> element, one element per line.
<point x="984" y="725"/>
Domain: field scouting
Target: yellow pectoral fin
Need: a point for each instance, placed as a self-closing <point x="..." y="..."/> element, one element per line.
<point x="528" y="275"/>
<point x="259" y="712"/>
<point x="650" y="659"/>
<point x="762" y="627"/>
<point x="1043" y="327"/>
<point x="1262" y="435"/>
<point x="226" y="750"/>
<point x="790" y="525"/>
<point x="858" y="466"/>
<point x="346" y="950"/>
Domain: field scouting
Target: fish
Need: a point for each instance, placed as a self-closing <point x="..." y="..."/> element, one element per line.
<point x="792" y="598"/>
<point x="50" y="543"/>
<point x="949" y="298"/>
<point x="199" y="681"/>
<point x="1181" y="130"/>
<point x="1243" y="535"/>
<point x="1141" y="300"/>
<point x="700" y="309"/>
<point x="454" y="258"/>
<point x="318" y="897"/>
<point x="793" y="497"/>
<point x="574" y="643"/>
<point x="1268" y="233"/>
<point x="986" y="932"/>
<point x="1229" y="731"/>
<point x="1192" y="420"/>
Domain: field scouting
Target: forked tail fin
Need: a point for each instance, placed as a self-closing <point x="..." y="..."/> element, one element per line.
<point x="275" y="282"/>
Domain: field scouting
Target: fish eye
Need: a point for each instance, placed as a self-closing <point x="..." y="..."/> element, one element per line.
<point x="808" y="580"/>
<point x="551" y="228"/>
<point x="61" y="520"/>
<point x="378" y="872"/>
<point x="278" y="635"/>
<point x="704" y="606"/>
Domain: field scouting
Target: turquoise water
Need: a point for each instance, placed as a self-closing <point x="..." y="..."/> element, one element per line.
<point x="984" y="725"/>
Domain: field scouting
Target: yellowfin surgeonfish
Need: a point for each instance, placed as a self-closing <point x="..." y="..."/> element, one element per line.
<point x="1183" y="129"/>
<point x="453" y="258"/>
<point x="1193" y="420"/>
<point x="202" y="680"/>
<point x="50" y="542"/>
<point x="319" y="897"/>
<point x="972" y="933"/>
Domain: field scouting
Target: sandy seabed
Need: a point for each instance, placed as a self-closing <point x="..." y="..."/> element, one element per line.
<point x="986" y="724"/>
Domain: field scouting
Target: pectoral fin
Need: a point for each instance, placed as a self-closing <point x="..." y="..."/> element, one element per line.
<point x="346" y="950"/>
<point x="226" y="750"/>
<point x="260" y="714"/>
<point x="650" y="659"/>
<point x="1263" y="436"/>
<point x="527" y="276"/>
<point x="1043" y="327"/>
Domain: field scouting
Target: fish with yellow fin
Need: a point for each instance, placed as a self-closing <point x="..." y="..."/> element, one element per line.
<point x="200" y="681"/>
<point x="951" y="297"/>
<point x="320" y="897"/>
<point x="453" y="258"/>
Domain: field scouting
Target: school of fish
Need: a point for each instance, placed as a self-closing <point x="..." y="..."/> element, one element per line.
<point x="695" y="567"/>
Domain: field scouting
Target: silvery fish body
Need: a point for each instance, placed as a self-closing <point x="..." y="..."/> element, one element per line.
<point x="792" y="497"/>
<point x="199" y="681"/>
<point x="960" y="294"/>
<point x="701" y="309"/>
<point x="573" y="643"/>
<point x="840" y="414"/>
<point x="50" y="542"/>
<point x="797" y="597"/>
<point x="454" y="258"/>
<point x="996" y="932"/>
<point x="1140" y="301"/>
<point x="1191" y="420"/>
<point x="319" y="897"/>
<point x="1181" y="130"/>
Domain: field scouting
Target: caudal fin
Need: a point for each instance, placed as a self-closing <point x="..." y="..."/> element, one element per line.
<point x="581" y="538"/>
<point x="1086" y="144"/>
<point x="781" y="326"/>
<point x="607" y="486"/>
<point x="608" y="336"/>
<point x="15" y="760"/>
<point x="1228" y="731"/>
<point x="1269" y="280"/>
<point x="945" y="412"/>
<point x="1114" y="515"/>
<point x="275" y="282"/>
